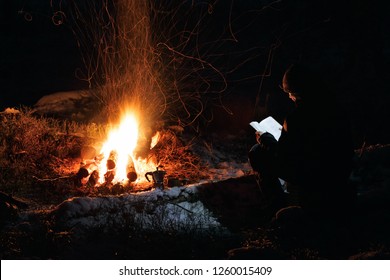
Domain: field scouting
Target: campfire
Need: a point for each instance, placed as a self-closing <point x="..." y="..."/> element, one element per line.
<point x="116" y="163"/>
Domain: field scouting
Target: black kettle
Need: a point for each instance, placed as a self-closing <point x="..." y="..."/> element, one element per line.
<point x="157" y="176"/>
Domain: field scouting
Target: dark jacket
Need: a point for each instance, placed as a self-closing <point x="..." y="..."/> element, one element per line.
<point x="314" y="152"/>
<point x="315" y="145"/>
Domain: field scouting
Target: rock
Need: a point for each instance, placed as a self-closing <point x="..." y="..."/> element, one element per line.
<point x="78" y="105"/>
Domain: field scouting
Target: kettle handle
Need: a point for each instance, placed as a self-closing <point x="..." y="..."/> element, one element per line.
<point x="146" y="175"/>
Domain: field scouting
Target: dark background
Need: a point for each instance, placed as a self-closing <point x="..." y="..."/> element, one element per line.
<point x="252" y="42"/>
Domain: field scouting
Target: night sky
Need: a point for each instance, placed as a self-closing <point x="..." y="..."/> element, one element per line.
<point x="348" y="40"/>
<point x="38" y="57"/>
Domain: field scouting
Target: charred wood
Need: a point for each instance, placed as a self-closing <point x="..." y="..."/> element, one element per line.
<point x="130" y="170"/>
<point x="109" y="176"/>
<point x="93" y="179"/>
<point x="82" y="173"/>
<point x="111" y="161"/>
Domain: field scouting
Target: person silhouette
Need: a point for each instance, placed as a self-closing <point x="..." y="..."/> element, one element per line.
<point x="314" y="154"/>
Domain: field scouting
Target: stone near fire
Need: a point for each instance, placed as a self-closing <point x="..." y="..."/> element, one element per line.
<point x="78" y="105"/>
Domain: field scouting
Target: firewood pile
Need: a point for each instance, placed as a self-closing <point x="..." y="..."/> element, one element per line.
<point x="174" y="162"/>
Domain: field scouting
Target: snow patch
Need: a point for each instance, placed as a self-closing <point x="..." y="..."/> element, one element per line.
<point x="162" y="210"/>
<point x="76" y="105"/>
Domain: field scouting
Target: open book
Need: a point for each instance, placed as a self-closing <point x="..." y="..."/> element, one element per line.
<point x="269" y="125"/>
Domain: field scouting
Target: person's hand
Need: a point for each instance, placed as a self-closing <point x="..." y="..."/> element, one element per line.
<point x="258" y="135"/>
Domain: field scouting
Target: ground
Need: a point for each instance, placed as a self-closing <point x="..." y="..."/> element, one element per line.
<point x="219" y="216"/>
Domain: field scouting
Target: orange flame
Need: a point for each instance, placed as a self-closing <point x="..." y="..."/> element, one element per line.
<point x="122" y="141"/>
<point x="155" y="140"/>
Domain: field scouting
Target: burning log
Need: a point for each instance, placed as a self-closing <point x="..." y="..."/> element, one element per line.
<point x="130" y="170"/>
<point x="111" y="161"/>
<point x="93" y="179"/>
<point x="132" y="176"/>
<point x="109" y="176"/>
<point x="85" y="170"/>
<point x="82" y="173"/>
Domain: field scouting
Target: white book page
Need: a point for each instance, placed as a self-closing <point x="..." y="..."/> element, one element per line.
<point x="269" y="125"/>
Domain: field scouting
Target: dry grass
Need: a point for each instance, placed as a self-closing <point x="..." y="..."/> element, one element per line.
<point x="35" y="147"/>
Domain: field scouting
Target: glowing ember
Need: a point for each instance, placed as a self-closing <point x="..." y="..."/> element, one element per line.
<point x="118" y="154"/>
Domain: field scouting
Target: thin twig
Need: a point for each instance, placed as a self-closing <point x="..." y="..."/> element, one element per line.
<point x="51" y="179"/>
<point x="181" y="207"/>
